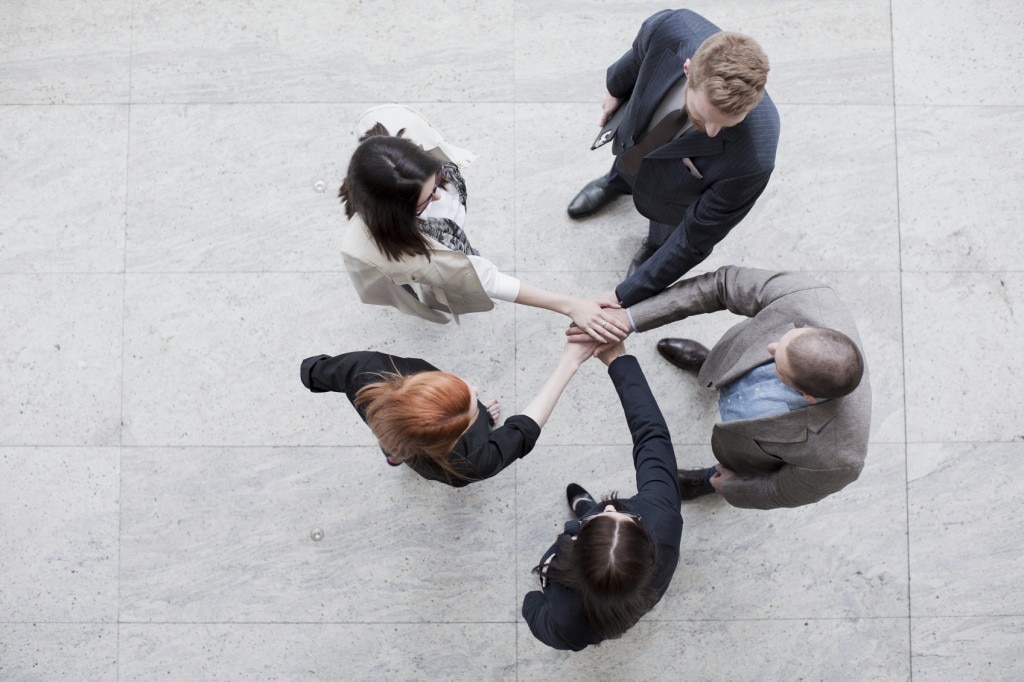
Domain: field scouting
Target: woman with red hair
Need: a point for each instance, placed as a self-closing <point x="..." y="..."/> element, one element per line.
<point x="433" y="421"/>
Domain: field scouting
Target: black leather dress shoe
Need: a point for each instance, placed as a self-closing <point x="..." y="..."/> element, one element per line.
<point x="640" y="257"/>
<point x="590" y="199"/>
<point x="692" y="484"/>
<point x="575" y="495"/>
<point x="683" y="353"/>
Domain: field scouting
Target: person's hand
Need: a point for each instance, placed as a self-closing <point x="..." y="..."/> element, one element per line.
<point x="494" y="409"/>
<point x="604" y="325"/>
<point x="720" y="476"/>
<point x="576" y="353"/>
<point x="579" y="337"/>
<point x="608" y="106"/>
<point x="609" y="351"/>
<point x="607" y="299"/>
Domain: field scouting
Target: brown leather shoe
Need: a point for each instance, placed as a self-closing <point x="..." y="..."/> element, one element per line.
<point x="592" y="198"/>
<point x="683" y="353"/>
<point x="692" y="484"/>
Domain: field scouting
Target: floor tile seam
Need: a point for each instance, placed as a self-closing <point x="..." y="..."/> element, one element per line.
<point x="968" y="616"/>
<point x="1008" y="441"/>
<point x="781" y="619"/>
<point x="165" y="446"/>
<point x="970" y="271"/>
<point x="27" y="105"/>
<point x="617" y="273"/>
<point x="687" y="443"/>
<point x="78" y="446"/>
<point x="515" y="320"/>
<point x="269" y="103"/>
<point x="262" y="103"/>
<point x="238" y="272"/>
<point x="903" y="341"/>
<point x="313" y="446"/>
<point x="831" y="104"/>
<point x="385" y="623"/>
<point x="91" y="620"/>
<point x="517" y="620"/>
<point x="974" y="105"/>
<point x="124" y="316"/>
<point x="518" y="270"/>
<point x="131" y="272"/>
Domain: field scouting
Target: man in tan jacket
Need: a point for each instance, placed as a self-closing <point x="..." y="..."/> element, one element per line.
<point x="791" y="380"/>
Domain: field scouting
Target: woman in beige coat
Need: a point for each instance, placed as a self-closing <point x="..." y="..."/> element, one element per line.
<point x="405" y="246"/>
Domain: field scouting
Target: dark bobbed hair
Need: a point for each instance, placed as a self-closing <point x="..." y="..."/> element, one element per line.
<point x="825" y="363"/>
<point x="383" y="184"/>
<point x="610" y="565"/>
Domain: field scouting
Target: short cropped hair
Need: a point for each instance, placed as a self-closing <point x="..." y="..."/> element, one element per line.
<point x="825" y="363"/>
<point x="731" y="69"/>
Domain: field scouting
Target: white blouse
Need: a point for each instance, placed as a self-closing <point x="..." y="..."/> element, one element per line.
<point x="496" y="284"/>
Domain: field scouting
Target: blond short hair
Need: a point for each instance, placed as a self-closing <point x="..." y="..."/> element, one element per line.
<point x="731" y="69"/>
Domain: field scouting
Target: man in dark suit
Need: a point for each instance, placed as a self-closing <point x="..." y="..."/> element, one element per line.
<point x="695" y="145"/>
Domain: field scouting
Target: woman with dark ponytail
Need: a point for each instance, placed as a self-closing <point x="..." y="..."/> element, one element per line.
<point x="405" y="244"/>
<point x="616" y="558"/>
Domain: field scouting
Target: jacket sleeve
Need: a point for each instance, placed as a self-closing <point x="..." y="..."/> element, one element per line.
<point x="653" y="455"/>
<point x="538" y="616"/>
<point x="706" y="222"/>
<point x="505" y="444"/>
<point x="622" y="75"/>
<point x="790" y="486"/>
<point x="348" y="372"/>
<point x="323" y="373"/>
<point x="743" y="291"/>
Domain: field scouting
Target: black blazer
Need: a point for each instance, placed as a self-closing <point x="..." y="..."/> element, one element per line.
<point x="735" y="164"/>
<point x="555" y="614"/>
<point x="479" y="454"/>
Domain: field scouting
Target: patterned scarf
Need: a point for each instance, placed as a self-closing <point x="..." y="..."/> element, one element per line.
<point x="445" y="230"/>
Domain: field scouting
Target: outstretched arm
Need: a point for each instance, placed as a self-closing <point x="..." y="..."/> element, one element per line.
<point x="573" y="355"/>
<point x="708" y="220"/>
<point x="653" y="454"/>
<point x="348" y="372"/>
<point x="744" y="291"/>
<point x="586" y="314"/>
<point x="517" y="436"/>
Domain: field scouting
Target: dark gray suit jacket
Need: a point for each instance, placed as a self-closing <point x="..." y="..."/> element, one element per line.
<point x="790" y="459"/>
<point x="735" y="165"/>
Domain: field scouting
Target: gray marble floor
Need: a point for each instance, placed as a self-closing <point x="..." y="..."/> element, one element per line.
<point x="166" y="260"/>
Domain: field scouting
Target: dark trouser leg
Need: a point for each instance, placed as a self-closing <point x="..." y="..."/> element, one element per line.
<point x="598" y="193"/>
<point x="618" y="180"/>
<point x="584" y="508"/>
<point x="658" y="233"/>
